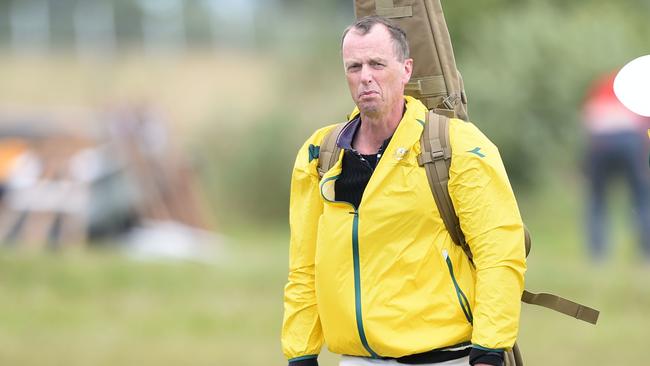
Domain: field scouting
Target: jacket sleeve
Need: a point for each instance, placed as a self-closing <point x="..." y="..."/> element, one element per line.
<point x="302" y="336"/>
<point x="490" y="219"/>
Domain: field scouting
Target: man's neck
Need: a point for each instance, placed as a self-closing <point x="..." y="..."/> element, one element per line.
<point x="375" y="129"/>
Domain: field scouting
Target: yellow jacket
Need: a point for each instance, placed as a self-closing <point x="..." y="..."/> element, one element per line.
<point x="386" y="279"/>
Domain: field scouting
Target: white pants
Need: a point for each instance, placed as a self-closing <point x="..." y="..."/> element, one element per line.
<point x="363" y="361"/>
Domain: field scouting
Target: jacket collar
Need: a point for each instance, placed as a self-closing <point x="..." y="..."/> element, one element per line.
<point x="344" y="140"/>
<point x="403" y="143"/>
<point x="410" y="126"/>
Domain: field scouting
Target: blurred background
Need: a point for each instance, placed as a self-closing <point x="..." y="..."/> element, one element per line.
<point x="146" y="148"/>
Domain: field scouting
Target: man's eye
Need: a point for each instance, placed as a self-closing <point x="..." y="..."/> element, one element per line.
<point x="353" y="67"/>
<point x="377" y="65"/>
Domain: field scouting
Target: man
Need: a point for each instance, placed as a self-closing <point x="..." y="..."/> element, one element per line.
<point x="617" y="146"/>
<point x="373" y="271"/>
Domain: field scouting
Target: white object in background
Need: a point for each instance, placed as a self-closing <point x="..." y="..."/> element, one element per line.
<point x="632" y="86"/>
<point x="173" y="240"/>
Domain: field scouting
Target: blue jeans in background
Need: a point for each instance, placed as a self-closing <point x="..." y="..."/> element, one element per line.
<point x="623" y="154"/>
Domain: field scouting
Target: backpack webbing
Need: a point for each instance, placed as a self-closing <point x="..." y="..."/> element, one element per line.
<point x="435" y="157"/>
<point x="513" y="357"/>
<point x="329" y="152"/>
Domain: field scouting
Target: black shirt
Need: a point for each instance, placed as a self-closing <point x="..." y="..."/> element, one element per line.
<point x="357" y="168"/>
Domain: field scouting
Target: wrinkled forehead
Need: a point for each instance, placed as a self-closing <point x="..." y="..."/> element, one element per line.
<point x="376" y="43"/>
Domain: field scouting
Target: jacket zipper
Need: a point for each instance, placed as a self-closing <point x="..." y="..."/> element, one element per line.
<point x="357" y="283"/>
<point x="357" y="271"/>
<point x="462" y="299"/>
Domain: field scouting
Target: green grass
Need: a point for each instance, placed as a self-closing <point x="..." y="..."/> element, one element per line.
<point x="558" y="264"/>
<point x="97" y="307"/>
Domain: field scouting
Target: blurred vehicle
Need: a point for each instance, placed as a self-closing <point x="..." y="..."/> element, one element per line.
<point x="64" y="185"/>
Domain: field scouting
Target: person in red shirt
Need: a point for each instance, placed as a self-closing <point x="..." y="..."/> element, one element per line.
<point x="617" y="146"/>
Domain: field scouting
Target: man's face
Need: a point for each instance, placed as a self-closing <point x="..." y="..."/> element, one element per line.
<point x="376" y="77"/>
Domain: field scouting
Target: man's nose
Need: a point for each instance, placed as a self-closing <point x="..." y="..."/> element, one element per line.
<point x="366" y="74"/>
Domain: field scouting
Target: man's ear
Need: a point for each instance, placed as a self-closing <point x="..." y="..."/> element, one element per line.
<point x="408" y="69"/>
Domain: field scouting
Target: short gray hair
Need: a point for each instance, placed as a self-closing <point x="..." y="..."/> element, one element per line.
<point x="397" y="34"/>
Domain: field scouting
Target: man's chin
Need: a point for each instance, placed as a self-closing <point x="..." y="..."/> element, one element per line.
<point x="368" y="109"/>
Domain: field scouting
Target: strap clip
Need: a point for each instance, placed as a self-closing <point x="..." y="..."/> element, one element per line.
<point x="450" y="101"/>
<point x="438" y="155"/>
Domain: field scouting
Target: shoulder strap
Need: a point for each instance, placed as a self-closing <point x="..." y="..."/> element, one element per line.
<point x="435" y="156"/>
<point x="561" y="305"/>
<point x="329" y="151"/>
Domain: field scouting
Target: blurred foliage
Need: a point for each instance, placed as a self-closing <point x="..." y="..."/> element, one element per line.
<point x="526" y="70"/>
<point x="251" y="168"/>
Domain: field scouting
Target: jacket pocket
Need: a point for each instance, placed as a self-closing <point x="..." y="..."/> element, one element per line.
<point x="462" y="299"/>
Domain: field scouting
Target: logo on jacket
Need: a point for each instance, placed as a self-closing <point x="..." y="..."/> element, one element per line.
<point x="400" y="152"/>
<point x="314" y="152"/>
<point x="477" y="151"/>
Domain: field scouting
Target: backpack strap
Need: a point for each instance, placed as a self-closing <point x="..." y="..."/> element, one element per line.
<point x="516" y="353"/>
<point x="329" y="151"/>
<point x="561" y="305"/>
<point x="435" y="157"/>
